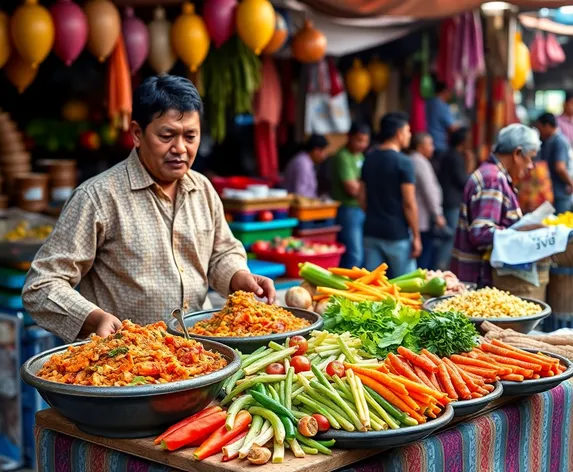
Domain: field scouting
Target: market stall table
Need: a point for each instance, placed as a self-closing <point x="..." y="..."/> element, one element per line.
<point x="531" y="433"/>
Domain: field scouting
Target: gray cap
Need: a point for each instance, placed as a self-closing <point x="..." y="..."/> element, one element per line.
<point x="517" y="136"/>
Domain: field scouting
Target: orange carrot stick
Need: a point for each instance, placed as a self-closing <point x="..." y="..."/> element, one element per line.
<point x="423" y="376"/>
<point x="486" y="373"/>
<point x="403" y="368"/>
<point x="520" y="356"/>
<point x="513" y="377"/>
<point x="461" y="388"/>
<point x="379" y="377"/>
<point x="515" y="362"/>
<point x="446" y="382"/>
<point x="435" y="359"/>
<point x="472" y="386"/>
<point x="418" y="360"/>
<point x="413" y="386"/>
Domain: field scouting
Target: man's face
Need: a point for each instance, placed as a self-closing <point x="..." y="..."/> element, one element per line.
<point x="522" y="164"/>
<point x="404" y="136"/>
<point x="545" y="130"/>
<point x="318" y="155"/>
<point x="358" y="142"/>
<point x="168" y="146"/>
<point x="568" y="107"/>
<point x="426" y="147"/>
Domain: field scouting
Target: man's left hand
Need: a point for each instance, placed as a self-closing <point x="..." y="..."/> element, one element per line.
<point x="260" y="286"/>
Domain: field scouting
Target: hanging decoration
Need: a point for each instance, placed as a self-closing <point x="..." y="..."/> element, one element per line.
<point x="358" y="81"/>
<point x="71" y="26"/>
<point x="522" y="62"/>
<point x="537" y="55"/>
<point x="280" y="36"/>
<point x="20" y="73"/>
<point x="555" y="53"/>
<point x="104" y="24"/>
<point x="119" y="100"/>
<point x="190" y="38"/>
<point x="379" y="75"/>
<point x="32" y="31"/>
<point x="308" y="44"/>
<point x="255" y="23"/>
<point x="231" y="76"/>
<point x="136" y="38"/>
<point x="5" y="44"/>
<point x="220" y="19"/>
<point x="161" y="55"/>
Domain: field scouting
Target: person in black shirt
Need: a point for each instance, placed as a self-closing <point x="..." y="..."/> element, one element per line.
<point x="388" y="196"/>
<point x="452" y="177"/>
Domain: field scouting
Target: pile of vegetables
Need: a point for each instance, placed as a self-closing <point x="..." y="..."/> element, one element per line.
<point x="383" y="326"/>
<point x="293" y="245"/>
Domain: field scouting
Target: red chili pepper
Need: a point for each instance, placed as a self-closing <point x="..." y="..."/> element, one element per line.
<point x="206" y="412"/>
<point x="221" y="437"/>
<point x="193" y="431"/>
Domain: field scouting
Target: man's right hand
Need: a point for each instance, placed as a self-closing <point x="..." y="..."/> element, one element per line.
<point x="101" y="323"/>
<point x="416" y="248"/>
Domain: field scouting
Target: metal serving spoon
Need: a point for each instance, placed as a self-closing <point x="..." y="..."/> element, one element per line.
<point x="178" y="315"/>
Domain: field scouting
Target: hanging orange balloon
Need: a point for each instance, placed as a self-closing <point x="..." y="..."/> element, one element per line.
<point x="280" y="36"/>
<point x="255" y="23"/>
<point x="104" y="24"/>
<point x="308" y="44"/>
<point x="522" y="64"/>
<point x="20" y="73"/>
<point x="32" y="31"/>
<point x="379" y="75"/>
<point x="190" y="38"/>
<point x="5" y="45"/>
<point x="358" y="81"/>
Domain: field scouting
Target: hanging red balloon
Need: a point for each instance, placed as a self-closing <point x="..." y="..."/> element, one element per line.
<point x="219" y="17"/>
<point x="71" y="25"/>
<point x="136" y="37"/>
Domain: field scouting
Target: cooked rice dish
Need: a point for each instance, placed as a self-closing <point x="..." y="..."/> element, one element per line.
<point x="244" y="316"/>
<point x="134" y="355"/>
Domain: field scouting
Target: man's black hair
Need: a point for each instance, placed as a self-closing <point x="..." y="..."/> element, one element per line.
<point x="359" y="127"/>
<point x="547" y="119"/>
<point x="439" y="86"/>
<point x="458" y="137"/>
<point x="316" y="141"/>
<point x="390" y="124"/>
<point x="418" y="139"/>
<point x="157" y="94"/>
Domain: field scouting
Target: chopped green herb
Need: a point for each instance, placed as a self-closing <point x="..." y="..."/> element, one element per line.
<point x="117" y="351"/>
<point x="138" y="380"/>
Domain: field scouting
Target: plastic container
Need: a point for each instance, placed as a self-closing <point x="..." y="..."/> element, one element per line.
<point x="292" y="259"/>
<point x="324" y="211"/>
<point x="272" y="270"/>
<point x="248" y="233"/>
<point x="317" y="224"/>
<point x="244" y="216"/>
<point x="237" y="182"/>
<point x="280" y="214"/>
<point x="319" y="235"/>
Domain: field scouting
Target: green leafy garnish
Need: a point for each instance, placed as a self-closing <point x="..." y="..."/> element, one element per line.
<point x="138" y="380"/>
<point x="117" y="351"/>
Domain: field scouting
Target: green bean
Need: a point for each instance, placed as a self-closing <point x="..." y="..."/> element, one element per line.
<point x="249" y="383"/>
<point x="239" y="404"/>
<point x="296" y="449"/>
<point x="255" y="356"/>
<point x="357" y="400"/>
<point x="328" y="443"/>
<point x="298" y="414"/>
<point x="324" y="411"/>
<point x="381" y="411"/>
<point x="254" y="430"/>
<point x="276" y="347"/>
<point x="282" y="387"/>
<point x="309" y="450"/>
<point x="273" y="393"/>
<point x="391" y="409"/>
<point x="278" y="452"/>
<point x="322" y="378"/>
<point x="326" y="361"/>
<point x="335" y="397"/>
<point x="275" y="421"/>
<point x="273" y="357"/>
<point x="331" y="406"/>
<point x="267" y="433"/>
<point x="312" y="443"/>
<point x="288" y="387"/>
<point x="346" y="351"/>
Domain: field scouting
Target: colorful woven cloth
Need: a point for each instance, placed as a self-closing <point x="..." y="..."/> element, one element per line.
<point x="534" y="434"/>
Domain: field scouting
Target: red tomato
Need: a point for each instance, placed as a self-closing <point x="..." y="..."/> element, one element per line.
<point x="323" y="423"/>
<point x="266" y="216"/>
<point x="300" y="364"/>
<point x="301" y="343"/>
<point x="275" y="369"/>
<point x="335" y="368"/>
<point x="260" y="246"/>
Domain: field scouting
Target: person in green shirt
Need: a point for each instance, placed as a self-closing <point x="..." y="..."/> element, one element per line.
<point x="346" y="169"/>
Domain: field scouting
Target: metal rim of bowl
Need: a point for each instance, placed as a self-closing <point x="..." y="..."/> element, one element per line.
<point x="267" y="337"/>
<point x="234" y="364"/>
<point x="544" y="313"/>
<point x="442" y="420"/>
<point x="491" y="396"/>
<point x="566" y="374"/>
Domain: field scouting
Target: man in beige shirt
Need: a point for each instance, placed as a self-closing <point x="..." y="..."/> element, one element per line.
<point x="145" y="237"/>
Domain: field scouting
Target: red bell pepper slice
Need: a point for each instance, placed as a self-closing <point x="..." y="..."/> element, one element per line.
<point x="193" y="431"/>
<point x="222" y="437"/>
<point x="206" y="412"/>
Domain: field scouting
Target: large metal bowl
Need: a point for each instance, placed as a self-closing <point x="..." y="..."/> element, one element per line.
<point x="250" y="343"/>
<point x="134" y="411"/>
<point x="523" y="324"/>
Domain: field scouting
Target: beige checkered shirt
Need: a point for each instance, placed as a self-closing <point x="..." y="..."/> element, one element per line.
<point x="136" y="254"/>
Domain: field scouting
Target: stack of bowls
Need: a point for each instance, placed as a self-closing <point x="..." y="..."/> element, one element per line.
<point x="14" y="160"/>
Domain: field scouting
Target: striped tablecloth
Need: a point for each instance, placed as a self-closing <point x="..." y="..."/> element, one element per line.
<point x="534" y="434"/>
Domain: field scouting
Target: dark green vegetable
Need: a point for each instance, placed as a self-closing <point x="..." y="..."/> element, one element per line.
<point x="436" y="287"/>
<point x="272" y="405"/>
<point x="259" y="388"/>
<point x="117" y="351"/>
<point x="289" y="427"/>
<point x="321" y="277"/>
<point x="417" y="274"/>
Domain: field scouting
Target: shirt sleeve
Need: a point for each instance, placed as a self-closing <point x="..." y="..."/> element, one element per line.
<point x="486" y="209"/>
<point x="407" y="172"/>
<point x="229" y="255"/>
<point x="343" y="167"/>
<point x="446" y="117"/>
<point x="431" y="190"/>
<point x="49" y="293"/>
<point x="561" y="151"/>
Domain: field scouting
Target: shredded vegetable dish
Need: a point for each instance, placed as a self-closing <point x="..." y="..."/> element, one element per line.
<point x="134" y="355"/>
<point x="244" y="316"/>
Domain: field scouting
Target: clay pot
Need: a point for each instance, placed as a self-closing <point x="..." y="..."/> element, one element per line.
<point x="32" y="192"/>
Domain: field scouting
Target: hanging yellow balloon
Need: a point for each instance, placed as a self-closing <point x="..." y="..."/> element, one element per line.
<point x="522" y="64"/>
<point x="358" y="81"/>
<point x="256" y="23"/>
<point x="5" y="46"/>
<point x="190" y="38"/>
<point x="32" y="30"/>
<point x="19" y="72"/>
<point x="379" y="75"/>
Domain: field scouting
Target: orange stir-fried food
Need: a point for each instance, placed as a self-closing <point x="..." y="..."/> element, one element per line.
<point x="134" y="355"/>
<point x="244" y="316"/>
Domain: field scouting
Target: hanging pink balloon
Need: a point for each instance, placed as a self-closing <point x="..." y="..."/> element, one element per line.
<point x="71" y="25"/>
<point x="219" y="16"/>
<point x="136" y="37"/>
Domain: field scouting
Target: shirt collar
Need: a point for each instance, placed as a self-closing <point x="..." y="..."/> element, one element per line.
<point x="139" y="178"/>
<point x="494" y="160"/>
